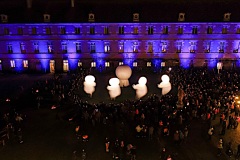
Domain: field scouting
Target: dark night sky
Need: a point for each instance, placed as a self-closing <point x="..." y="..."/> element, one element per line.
<point x="120" y="10"/>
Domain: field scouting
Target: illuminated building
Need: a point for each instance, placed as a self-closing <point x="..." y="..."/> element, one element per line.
<point x="62" y="47"/>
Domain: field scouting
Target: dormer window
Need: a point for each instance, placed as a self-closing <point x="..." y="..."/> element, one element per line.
<point x="48" y="31"/>
<point x="62" y="30"/>
<point x="77" y="30"/>
<point x="135" y="30"/>
<point x="121" y="30"/>
<point x="20" y="31"/>
<point x="195" y="30"/>
<point x="165" y="30"/>
<point x="150" y="30"/>
<point x="92" y="30"/>
<point x="180" y="30"/>
<point x="209" y="30"/>
<point x="106" y="30"/>
<point x="224" y="30"/>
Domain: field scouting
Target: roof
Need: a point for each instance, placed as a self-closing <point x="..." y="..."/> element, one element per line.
<point x="120" y="10"/>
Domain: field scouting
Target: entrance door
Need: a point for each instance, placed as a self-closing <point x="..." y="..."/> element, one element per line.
<point x="52" y="66"/>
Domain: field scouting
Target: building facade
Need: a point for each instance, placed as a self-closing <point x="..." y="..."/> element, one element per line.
<point x="64" y="47"/>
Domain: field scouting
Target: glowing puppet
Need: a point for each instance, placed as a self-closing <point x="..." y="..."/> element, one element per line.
<point x="89" y="84"/>
<point x="141" y="88"/>
<point x="114" y="88"/>
<point x="165" y="84"/>
<point x="123" y="72"/>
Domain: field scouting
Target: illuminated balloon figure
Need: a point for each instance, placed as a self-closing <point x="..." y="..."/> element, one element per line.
<point x="165" y="84"/>
<point x="141" y="88"/>
<point x="114" y="88"/>
<point x="89" y="84"/>
<point x="123" y="72"/>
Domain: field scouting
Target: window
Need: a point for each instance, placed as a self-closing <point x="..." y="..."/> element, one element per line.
<point x="150" y="47"/>
<point x="79" y="63"/>
<point x="121" y="47"/>
<point x="121" y="30"/>
<point x="209" y="30"/>
<point x="106" y="47"/>
<point x="221" y="47"/>
<point x="22" y="48"/>
<point x="135" y="30"/>
<point x="92" y="48"/>
<point x="50" y="47"/>
<point x="163" y="64"/>
<point x="12" y="64"/>
<point x="180" y="30"/>
<point x="77" y="30"/>
<point x="224" y="30"/>
<point x="62" y="30"/>
<point x="238" y="30"/>
<point x="179" y="47"/>
<point x="164" y="47"/>
<point x="150" y="30"/>
<point x="107" y="64"/>
<point x="25" y="63"/>
<point x="64" y="47"/>
<point x="149" y="64"/>
<point x="106" y="30"/>
<point x="92" y="30"/>
<point x="36" y="47"/>
<point x="195" y="30"/>
<point x="93" y="64"/>
<point x="207" y="47"/>
<point x="9" y="48"/>
<point x="65" y="66"/>
<point x="6" y="31"/>
<point x="78" y="47"/>
<point x="237" y="48"/>
<point x="48" y="30"/>
<point x="135" y="64"/>
<point x="135" y="47"/>
<point x="34" y="30"/>
<point x="165" y="30"/>
<point x="192" y="47"/>
<point x="120" y="63"/>
<point x="20" y="30"/>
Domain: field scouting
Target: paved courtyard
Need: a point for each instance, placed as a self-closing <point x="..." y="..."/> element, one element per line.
<point x="50" y="138"/>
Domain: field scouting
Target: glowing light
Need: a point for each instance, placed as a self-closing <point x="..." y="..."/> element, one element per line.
<point x="123" y="72"/>
<point x="89" y="84"/>
<point x="114" y="88"/>
<point x="141" y="88"/>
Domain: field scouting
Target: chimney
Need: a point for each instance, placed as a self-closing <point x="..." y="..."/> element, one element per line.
<point x="226" y="17"/>
<point x="72" y="3"/>
<point x="29" y="3"/>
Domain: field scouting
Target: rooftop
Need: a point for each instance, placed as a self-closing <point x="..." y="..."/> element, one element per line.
<point x="120" y="10"/>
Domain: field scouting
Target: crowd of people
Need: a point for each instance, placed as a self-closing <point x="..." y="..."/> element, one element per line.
<point x="207" y="95"/>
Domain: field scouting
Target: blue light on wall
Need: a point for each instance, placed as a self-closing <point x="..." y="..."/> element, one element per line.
<point x="18" y="65"/>
<point x="185" y="59"/>
<point x="45" y="65"/>
<point x="129" y="58"/>
<point x="73" y="64"/>
<point x="156" y="64"/>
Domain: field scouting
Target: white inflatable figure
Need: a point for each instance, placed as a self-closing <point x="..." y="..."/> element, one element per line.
<point x="89" y="84"/>
<point x="114" y="88"/>
<point x="141" y="88"/>
<point x="165" y="84"/>
<point x="123" y="72"/>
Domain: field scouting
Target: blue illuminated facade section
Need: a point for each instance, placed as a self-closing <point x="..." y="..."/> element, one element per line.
<point x="188" y="48"/>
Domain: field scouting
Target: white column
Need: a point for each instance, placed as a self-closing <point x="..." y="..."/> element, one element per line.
<point x="72" y="3"/>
